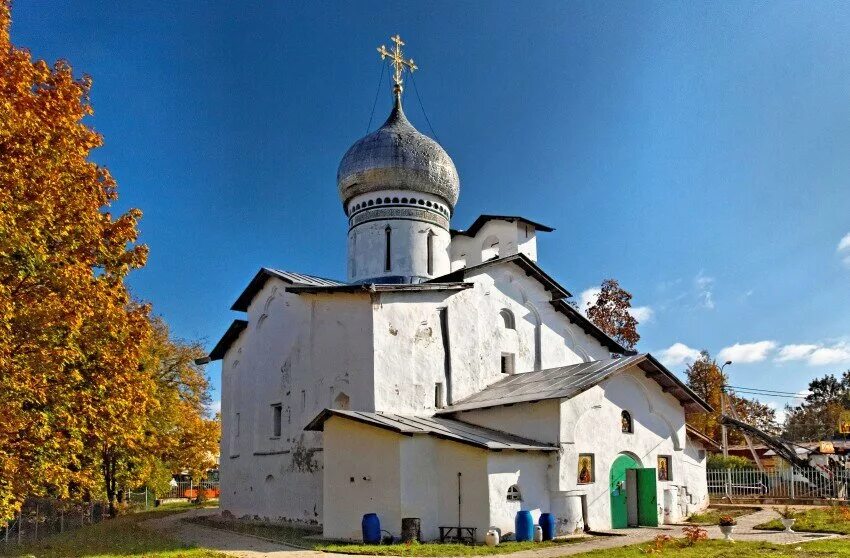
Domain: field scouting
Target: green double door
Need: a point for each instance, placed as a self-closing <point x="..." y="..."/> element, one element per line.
<point x="634" y="499"/>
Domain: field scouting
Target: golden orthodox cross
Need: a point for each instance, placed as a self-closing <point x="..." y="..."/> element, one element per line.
<point x="397" y="60"/>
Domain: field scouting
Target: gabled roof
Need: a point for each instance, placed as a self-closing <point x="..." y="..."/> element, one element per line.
<point x="483" y="219"/>
<point x="447" y="429"/>
<point x="231" y="335"/>
<point x="519" y="259"/>
<point x="565" y="382"/>
<point x="559" y="293"/>
<point x="589" y="327"/>
<point x="259" y="280"/>
<point x="693" y="432"/>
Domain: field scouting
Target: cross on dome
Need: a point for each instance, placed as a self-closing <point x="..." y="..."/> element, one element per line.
<point x="396" y="57"/>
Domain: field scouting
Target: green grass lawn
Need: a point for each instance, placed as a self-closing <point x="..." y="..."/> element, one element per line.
<point x="723" y="549"/>
<point x="299" y="537"/>
<point x="711" y="516"/>
<point x="121" y="537"/>
<point x="817" y="520"/>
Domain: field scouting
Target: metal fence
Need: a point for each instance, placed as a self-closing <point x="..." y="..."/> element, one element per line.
<point x="42" y="517"/>
<point x="191" y="490"/>
<point x="790" y="483"/>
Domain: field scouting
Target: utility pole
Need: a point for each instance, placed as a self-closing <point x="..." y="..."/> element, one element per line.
<point x="723" y="429"/>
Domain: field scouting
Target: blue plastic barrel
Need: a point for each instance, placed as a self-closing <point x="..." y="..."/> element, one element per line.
<point x="524" y="526"/>
<point x="547" y="525"/>
<point x="371" y="528"/>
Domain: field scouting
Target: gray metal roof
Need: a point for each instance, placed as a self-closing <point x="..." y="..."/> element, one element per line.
<point x="378" y="288"/>
<point x="304" y="279"/>
<point x="447" y="429"/>
<point x="568" y="381"/>
<point x="259" y="280"/>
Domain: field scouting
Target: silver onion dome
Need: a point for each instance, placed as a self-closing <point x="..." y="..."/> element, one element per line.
<point x="397" y="156"/>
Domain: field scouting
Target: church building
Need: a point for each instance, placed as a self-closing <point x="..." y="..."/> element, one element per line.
<point x="446" y="378"/>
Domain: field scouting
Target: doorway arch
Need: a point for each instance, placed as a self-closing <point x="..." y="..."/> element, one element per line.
<point x="634" y="493"/>
<point x="619" y="491"/>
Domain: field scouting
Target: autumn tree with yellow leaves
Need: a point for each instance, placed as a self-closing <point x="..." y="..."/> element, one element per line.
<point x="87" y="400"/>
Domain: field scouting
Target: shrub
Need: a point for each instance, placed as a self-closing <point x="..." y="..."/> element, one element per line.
<point x="694" y="535"/>
<point x="727" y="521"/>
<point x="717" y="461"/>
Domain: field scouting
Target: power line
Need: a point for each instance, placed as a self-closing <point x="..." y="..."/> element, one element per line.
<point x="428" y="120"/>
<point x="377" y="93"/>
<point x="777" y="392"/>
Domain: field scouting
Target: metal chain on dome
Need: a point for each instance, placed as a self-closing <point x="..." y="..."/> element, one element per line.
<point x="377" y="94"/>
<point x="428" y="120"/>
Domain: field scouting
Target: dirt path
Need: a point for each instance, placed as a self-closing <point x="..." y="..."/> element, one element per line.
<point x="232" y="544"/>
<point x="245" y="546"/>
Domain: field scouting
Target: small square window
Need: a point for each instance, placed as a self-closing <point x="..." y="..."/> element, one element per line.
<point x="277" y="417"/>
<point x="507" y="363"/>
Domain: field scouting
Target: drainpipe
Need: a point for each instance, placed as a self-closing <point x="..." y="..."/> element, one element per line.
<point x="447" y="351"/>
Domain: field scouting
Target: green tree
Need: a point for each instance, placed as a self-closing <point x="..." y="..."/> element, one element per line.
<point x="817" y="416"/>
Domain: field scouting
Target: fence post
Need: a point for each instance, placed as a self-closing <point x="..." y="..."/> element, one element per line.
<point x="791" y="475"/>
<point x="729" y="483"/>
<point x="20" y="518"/>
<point x="146" y="498"/>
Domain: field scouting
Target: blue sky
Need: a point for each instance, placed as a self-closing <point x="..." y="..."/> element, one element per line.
<point x="697" y="152"/>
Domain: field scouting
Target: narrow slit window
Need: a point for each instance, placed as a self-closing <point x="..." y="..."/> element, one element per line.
<point x="236" y="426"/>
<point x="387" y="248"/>
<point x="439" y="398"/>
<point x="277" y="418"/>
<point x="430" y="252"/>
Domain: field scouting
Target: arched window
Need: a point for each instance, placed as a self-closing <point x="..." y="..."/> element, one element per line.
<point x="508" y="318"/>
<point x="626" y="422"/>
<point x="342" y="401"/>
<point x="514" y="494"/>
<point x="490" y="248"/>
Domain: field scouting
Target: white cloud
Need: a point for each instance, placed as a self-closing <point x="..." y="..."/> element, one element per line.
<point x="844" y="243"/>
<point x="588" y="298"/>
<point x="795" y="352"/>
<point x="643" y="314"/>
<point x="678" y="354"/>
<point x="781" y="414"/>
<point x="815" y="355"/>
<point x="705" y="290"/>
<point x="830" y="355"/>
<point x="844" y="247"/>
<point x="747" y="352"/>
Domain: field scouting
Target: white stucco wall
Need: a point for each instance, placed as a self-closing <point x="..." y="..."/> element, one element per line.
<point x="409" y="350"/>
<point x="693" y="496"/>
<point x="495" y="238"/>
<point x="399" y="476"/>
<point x="283" y="357"/>
<point x="530" y="472"/>
<point x="591" y="423"/>
<point x="537" y="421"/>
